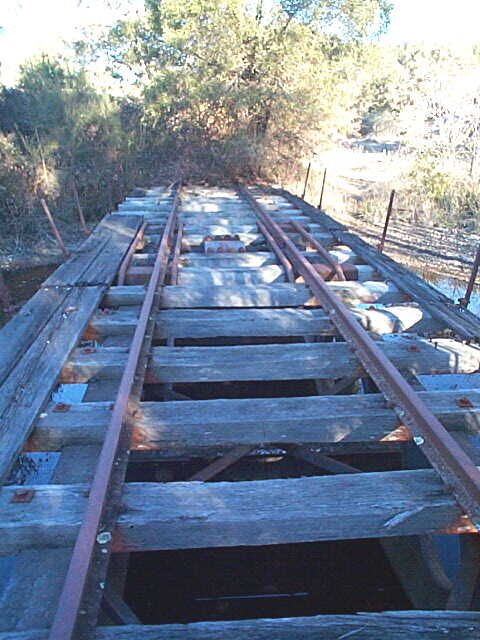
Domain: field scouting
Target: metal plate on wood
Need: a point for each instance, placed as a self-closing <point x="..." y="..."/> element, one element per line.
<point x="223" y="244"/>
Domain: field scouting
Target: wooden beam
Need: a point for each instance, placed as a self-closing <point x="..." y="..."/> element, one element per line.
<point x="17" y="336"/>
<point x="26" y="390"/>
<point x="117" y="609"/>
<point x="273" y="361"/>
<point x="204" y="277"/>
<point x="207" y="323"/>
<point x="466" y="587"/>
<point x="221" y="424"/>
<point x="97" y="260"/>
<point x="326" y="463"/>
<point x="212" y="323"/>
<point x="217" y="466"/>
<point x="277" y="295"/>
<point x="187" y="515"/>
<point x="397" y="625"/>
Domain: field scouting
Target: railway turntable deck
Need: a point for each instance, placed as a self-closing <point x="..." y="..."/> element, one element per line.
<point x="246" y="422"/>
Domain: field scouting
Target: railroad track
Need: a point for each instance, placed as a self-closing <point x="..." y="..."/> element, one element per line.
<point x="232" y="370"/>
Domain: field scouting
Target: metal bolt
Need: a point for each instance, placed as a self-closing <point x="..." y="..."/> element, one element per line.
<point x="104" y="537"/>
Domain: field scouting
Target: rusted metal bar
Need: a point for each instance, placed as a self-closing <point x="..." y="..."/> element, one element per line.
<point x="320" y="249"/>
<point x="381" y="244"/>
<point x="289" y="273"/>
<point x="122" y="272"/>
<point x="86" y="230"/>
<point x="465" y="301"/>
<point x="455" y="468"/>
<point x="306" y="180"/>
<point x="323" y="189"/>
<point x="94" y="538"/>
<point x="53" y="226"/>
<point x="176" y="254"/>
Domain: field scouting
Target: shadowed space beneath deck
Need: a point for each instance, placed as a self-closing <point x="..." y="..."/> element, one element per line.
<point x="273" y="581"/>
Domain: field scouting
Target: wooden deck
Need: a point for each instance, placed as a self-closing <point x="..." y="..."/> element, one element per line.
<point x="244" y="367"/>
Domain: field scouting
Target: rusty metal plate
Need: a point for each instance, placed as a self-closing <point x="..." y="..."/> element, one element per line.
<point x="223" y="244"/>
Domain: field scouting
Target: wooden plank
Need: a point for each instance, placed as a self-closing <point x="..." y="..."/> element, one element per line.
<point x="219" y="260"/>
<point x="124" y="296"/>
<point x="19" y="333"/>
<point x="188" y="515"/>
<point x="397" y="625"/>
<point x="273" y="361"/>
<point x="26" y="390"/>
<point x="275" y="295"/>
<point x="203" y="323"/>
<point x="217" y="466"/>
<point x="29" y="598"/>
<point x="278" y="295"/>
<point x="219" y="424"/>
<point x="207" y="323"/>
<point x="117" y="609"/>
<point x="173" y="297"/>
<point x="204" y="276"/>
<point x="98" y="258"/>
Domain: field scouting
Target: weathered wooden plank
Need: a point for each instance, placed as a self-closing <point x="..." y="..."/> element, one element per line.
<point x="32" y="590"/>
<point x="203" y="323"/>
<point x="204" y="277"/>
<point x="98" y="258"/>
<point x="188" y="515"/>
<point x="27" y="388"/>
<point x="19" y="333"/>
<point x="219" y="424"/>
<point x="273" y="361"/>
<point x="277" y="295"/>
<point x="397" y="625"/>
<point x="207" y="323"/>
<point x="124" y="296"/>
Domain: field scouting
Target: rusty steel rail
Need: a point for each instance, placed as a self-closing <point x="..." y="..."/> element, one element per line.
<point x="320" y="249"/>
<point x="285" y="262"/>
<point x="455" y="468"/>
<point x="122" y="272"/>
<point x="95" y="537"/>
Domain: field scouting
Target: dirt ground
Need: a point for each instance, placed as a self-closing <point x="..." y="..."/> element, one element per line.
<point x="355" y="174"/>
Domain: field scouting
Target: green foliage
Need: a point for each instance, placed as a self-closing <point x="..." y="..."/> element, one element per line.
<point x="62" y="132"/>
<point x="448" y="197"/>
<point x="257" y="84"/>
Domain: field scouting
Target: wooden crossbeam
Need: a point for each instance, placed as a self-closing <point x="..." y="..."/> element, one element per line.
<point x="222" y="463"/>
<point x="186" y="515"/>
<point x="117" y="609"/>
<point x="320" y="460"/>
<point x="222" y="424"/>
<point x="273" y="361"/>
<point x="206" y="323"/>
<point x="397" y="625"/>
